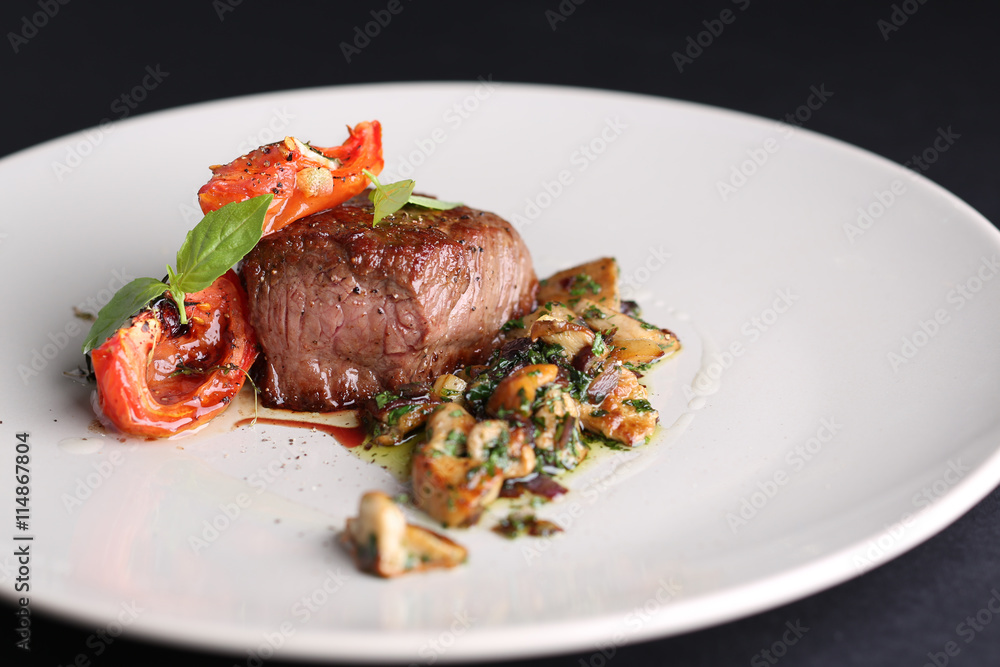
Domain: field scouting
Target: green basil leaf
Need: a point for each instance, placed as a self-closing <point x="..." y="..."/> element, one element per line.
<point x="124" y="304"/>
<point x="391" y="197"/>
<point x="436" y="204"/>
<point x="220" y="240"/>
<point x="387" y="198"/>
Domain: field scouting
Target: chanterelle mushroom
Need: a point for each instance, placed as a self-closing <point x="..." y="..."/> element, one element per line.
<point x="382" y="543"/>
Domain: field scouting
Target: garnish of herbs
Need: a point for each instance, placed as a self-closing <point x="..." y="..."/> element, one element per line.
<point x="391" y="197"/>
<point x="219" y="241"/>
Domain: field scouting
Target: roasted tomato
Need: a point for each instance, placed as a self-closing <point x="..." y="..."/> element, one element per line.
<point x="157" y="377"/>
<point x="303" y="178"/>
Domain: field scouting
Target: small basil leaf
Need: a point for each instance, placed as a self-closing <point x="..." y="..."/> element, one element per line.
<point x="124" y="304"/>
<point x="388" y="198"/>
<point x="437" y="204"/>
<point x="218" y="242"/>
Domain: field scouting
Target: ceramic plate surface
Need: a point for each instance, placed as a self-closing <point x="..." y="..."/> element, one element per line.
<point x="834" y="404"/>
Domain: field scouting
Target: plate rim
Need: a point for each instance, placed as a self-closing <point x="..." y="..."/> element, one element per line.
<point x="561" y="636"/>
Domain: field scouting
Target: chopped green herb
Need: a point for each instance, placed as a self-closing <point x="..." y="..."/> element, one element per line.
<point x="638" y="368"/>
<point x="393" y="416"/>
<point x="454" y="444"/>
<point x="457" y="437"/>
<point x="639" y="404"/>
<point x="581" y="283"/>
<point x="598" y="347"/>
<point x="384" y="398"/>
<point x="510" y="325"/>
<point x="592" y="438"/>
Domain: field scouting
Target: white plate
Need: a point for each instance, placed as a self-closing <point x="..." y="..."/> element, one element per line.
<point x="899" y="447"/>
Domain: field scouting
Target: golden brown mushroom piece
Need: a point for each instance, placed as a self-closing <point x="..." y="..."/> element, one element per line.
<point x="596" y="280"/>
<point x="383" y="544"/>
<point x="635" y="341"/>
<point x="625" y="415"/>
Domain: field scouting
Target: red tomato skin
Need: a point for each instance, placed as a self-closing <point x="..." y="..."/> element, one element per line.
<point x="277" y="168"/>
<point x="141" y="400"/>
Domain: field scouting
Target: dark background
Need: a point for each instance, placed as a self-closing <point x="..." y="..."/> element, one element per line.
<point x="893" y="90"/>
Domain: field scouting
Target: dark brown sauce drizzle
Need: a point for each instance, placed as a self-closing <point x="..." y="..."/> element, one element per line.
<point x="348" y="437"/>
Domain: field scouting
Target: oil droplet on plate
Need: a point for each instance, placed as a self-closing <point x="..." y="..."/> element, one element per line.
<point x="88" y="445"/>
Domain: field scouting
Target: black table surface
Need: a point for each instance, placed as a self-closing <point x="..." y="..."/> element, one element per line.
<point x="899" y="72"/>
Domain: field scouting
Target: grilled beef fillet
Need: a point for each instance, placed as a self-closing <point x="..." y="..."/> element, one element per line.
<point x="344" y="310"/>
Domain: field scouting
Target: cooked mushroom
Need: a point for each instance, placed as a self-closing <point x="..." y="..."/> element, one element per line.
<point x="625" y="415"/>
<point x="493" y="443"/>
<point x="557" y="438"/>
<point x="382" y="543"/>
<point x="449" y="387"/>
<point x="447" y="484"/>
<point x="660" y="343"/>
<point x="516" y="392"/>
<point x="596" y="280"/>
<point x="572" y="337"/>
<point x="398" y="418"/>
<point x="552" y="309"/>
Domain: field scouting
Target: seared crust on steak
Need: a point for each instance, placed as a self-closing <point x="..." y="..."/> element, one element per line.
<point x="344" y="310"/>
